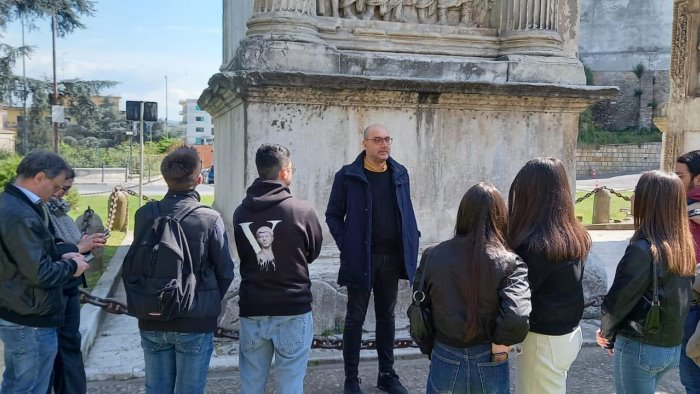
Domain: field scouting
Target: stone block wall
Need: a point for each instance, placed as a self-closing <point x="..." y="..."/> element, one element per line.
<point x="609" y="160"/>
<point x="620" y="113"/>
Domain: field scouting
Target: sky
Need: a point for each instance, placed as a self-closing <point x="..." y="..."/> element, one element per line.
<point x="136" y="43"/>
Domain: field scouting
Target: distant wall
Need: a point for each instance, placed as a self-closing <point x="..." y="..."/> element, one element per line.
<point x="610" y="160"/>
<point x="616" y="35"/>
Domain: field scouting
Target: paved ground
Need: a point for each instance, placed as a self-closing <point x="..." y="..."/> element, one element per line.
<point x="622" y="182"/>
<point x="591" y="373"/>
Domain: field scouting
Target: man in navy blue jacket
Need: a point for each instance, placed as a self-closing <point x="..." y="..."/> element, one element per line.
<point x="371" y="218"/>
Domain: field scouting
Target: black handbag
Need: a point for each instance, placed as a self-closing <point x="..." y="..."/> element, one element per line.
<point x="420" y="316"/>
<point x="652" y="323"/>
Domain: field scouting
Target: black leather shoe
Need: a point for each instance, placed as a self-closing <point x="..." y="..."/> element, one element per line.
<point x="389" y="382"/>
<point x="352" y="386"/>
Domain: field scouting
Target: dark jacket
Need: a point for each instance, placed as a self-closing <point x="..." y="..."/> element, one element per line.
<point x="694" y="211"/>
<point x="557" y="293"/>
<point x="211" y="260"/>
<point x="503" y="298"/>
<point x="349" y="215"/>
<point x="31" y="270"/>
<point x="275" y="277"/>
<point x="628" y="300"/>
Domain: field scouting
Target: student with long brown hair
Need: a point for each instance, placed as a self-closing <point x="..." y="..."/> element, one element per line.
<point x="645" y="309"/>
<point x="477" y="290"/>
<point x="544" y="232"/>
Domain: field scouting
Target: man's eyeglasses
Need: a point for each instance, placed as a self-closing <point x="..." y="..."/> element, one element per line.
<point x="65" y="188"/>
<point x="379" y="140"/>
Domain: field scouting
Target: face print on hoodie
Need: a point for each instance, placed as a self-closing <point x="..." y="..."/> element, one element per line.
<point x="261" y="243"/>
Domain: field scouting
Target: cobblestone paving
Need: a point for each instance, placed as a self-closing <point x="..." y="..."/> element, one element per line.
<point x="590" y="374"/>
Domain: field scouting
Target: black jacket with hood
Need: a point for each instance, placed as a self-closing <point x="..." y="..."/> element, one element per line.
<point x="211" y="259"/>
<point x="277" y="236"/>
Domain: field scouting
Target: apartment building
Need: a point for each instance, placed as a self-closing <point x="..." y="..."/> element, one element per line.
<point x="200" y="130"/>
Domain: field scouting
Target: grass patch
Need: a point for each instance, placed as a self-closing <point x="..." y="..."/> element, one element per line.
<point x="585" y="207"/>
<point x="99" y="204"/>
<point x="590" y="135"/>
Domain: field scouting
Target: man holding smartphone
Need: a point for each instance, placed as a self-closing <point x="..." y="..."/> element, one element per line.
<point x="32" y="273"/>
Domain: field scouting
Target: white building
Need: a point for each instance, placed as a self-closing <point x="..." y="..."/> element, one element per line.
<point x="200" y="130"/>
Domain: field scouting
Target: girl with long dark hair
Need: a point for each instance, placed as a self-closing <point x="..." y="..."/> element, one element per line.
<point x="645" y="309"/>
<point x="480" y="301"/>
<point x="544" y="232"/>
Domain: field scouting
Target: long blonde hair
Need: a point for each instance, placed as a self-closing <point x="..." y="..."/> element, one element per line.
<point x="660" y="216"/>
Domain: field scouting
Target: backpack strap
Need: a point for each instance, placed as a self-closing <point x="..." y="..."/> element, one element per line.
<point x="184" y="211"/>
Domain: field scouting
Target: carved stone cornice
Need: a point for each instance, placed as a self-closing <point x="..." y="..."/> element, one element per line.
<point x="225" y="89"/>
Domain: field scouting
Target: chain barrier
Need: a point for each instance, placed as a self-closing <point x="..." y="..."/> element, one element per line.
<point x="114" y="306"/>
<point x="611" y="190"/>
<point x="117" y="307"/>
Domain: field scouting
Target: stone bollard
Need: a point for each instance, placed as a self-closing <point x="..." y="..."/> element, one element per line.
<point x="601" y="206"/>
<point x="121" y="211"/>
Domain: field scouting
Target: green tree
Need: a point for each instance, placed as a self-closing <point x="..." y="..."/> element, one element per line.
<point x="67" y="12"/>
<point x="639" y="73"/>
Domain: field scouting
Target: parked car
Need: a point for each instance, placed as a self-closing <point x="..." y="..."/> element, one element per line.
<point x="210" y="175"/>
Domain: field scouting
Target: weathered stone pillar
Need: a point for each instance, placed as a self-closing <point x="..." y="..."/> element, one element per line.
<point x="683" y="109"/>
<point x="530" y="27"/>
<point x="284" y="20"/>
<point x="464" y="98"/>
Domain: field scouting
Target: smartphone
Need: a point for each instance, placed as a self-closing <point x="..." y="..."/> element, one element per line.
<point x="88" y="257"/>
<point x="106" y="233"/>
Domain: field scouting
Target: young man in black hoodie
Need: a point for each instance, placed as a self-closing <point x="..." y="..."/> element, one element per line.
<point x="277" y="237"/>
<point x="177" y="351"/>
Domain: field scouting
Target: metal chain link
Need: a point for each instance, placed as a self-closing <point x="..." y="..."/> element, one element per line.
<point x="611" y="190"/>
<point x="112" y="209"/>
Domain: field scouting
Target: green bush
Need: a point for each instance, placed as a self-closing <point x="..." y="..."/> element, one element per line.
<point x="590" y="135"/>
<point x="8" y="169"/>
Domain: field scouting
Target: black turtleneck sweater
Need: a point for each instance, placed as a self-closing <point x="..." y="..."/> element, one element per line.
<point x="386" y="228"/>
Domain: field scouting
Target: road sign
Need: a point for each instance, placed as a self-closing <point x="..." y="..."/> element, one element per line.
<point x="150" y="111"/>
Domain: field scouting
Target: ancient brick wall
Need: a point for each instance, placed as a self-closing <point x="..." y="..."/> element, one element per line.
<point x="609" y="160"/>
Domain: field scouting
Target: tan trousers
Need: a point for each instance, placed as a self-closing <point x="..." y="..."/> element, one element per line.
<point x="545" y="360"/>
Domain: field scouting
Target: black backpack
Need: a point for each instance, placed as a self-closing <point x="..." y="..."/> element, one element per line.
<point x="157" y="270"/>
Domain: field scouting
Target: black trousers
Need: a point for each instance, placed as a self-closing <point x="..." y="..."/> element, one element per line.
<point x="386" y="271"/>
<point x="68" y="370"/>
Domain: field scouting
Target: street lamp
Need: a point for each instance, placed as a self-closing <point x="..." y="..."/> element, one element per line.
<point x="166" y="106"/>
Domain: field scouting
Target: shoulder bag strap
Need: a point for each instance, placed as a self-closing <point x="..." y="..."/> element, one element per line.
<point x="419" y="294"/>
<point x="655" y="281"/>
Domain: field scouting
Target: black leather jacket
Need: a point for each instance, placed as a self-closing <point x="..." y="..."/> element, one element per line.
<point x="503" y="299"/>
<point x="31" y="270"/>
<point x="626" y="304"/>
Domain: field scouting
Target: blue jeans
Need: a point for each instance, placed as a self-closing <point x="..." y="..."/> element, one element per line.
<point x="175" y="361"/>
<point x="466" y="370"/>
<point x="689" y="371"/>
<point x="29" y="356"/>
<point x="68" y="375"/>
<point x="638" y="367"/>
<point x="288" y="338"/>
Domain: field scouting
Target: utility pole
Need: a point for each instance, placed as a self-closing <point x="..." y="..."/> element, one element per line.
<point x="142" y="152"/>
<point x="25" y="132"/>
<point x="166" y="106"/>
<point x="55" y="82"/>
